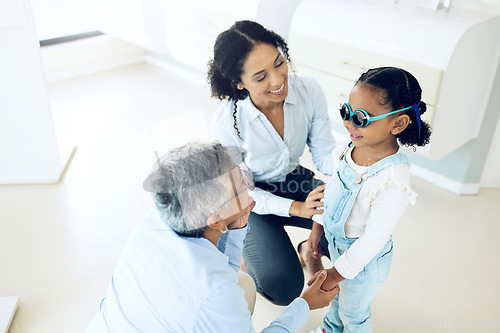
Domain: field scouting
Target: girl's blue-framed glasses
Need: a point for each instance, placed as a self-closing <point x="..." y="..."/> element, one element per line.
<point x="360" y="117"/>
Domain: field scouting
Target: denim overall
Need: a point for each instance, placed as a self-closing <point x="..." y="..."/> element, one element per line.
<point x="350" y="310"/>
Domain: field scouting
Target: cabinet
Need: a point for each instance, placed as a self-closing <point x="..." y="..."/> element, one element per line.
<point x="453" y="55"/>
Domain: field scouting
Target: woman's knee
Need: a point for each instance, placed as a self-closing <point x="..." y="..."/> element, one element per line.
<point x="280" y="288"/>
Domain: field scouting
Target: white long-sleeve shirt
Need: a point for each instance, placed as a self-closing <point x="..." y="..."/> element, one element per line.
<point x="269" y="157"/>
<point x="374" y="215"/>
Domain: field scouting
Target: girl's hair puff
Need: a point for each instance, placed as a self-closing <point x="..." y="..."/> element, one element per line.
<point x="402" y="90"/>
<point x="231" y="50"/>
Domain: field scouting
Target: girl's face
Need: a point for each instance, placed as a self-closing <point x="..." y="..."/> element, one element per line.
<point x="265" y="75"/>
<point x="378" y="134"/>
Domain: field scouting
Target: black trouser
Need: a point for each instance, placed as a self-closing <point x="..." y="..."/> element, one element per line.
<point x="270" y="257"/>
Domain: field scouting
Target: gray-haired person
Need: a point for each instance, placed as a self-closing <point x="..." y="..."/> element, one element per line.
<point x="178" y="271"/>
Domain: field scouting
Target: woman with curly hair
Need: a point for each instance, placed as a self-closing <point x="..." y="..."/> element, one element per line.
<point x="272" y="114"/>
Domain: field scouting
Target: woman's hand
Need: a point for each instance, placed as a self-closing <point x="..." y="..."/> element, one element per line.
<point x="309" y="208"/>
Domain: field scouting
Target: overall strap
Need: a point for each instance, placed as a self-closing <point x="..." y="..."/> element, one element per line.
<point x="344" y="152"/>
<point x="343" y="193"/>
<point x="398" y="158"/>
<point x="388" y="161"/>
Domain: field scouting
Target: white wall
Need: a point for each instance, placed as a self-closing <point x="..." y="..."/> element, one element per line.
<point x="491" y="176"/>
<point x="29" y="150"/>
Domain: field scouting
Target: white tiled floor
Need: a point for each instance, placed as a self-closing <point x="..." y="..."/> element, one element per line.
<point x="59" y="243"/>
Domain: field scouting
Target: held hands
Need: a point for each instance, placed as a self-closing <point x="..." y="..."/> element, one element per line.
<point x="329" y="282"/>
<point x="308" y="208"/>
<point x="315" y="296"/>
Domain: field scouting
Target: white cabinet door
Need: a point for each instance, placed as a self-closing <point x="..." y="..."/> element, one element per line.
<point x="454" y="57"/>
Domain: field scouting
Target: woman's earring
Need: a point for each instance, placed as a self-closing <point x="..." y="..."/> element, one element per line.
<point x="225" y="230"/>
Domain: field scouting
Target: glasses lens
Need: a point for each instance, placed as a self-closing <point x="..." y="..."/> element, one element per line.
<point x="344" y="112"/>
<point x="236" y="205"/>
<point x="359" y="119"/>
<point x="247" y="179"/>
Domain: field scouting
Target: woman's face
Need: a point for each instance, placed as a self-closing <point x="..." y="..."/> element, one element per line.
<point x="265" y="75"/>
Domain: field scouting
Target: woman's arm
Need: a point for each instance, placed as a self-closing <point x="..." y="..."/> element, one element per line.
<point x="268" y="203"/>
<point x="226" y="310"/>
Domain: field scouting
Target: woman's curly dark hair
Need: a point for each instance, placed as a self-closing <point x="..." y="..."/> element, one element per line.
<point x="231" y="50"/>
<point x="402" y="90"/>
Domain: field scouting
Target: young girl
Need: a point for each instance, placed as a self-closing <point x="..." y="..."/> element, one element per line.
<point x="368" y="192"/>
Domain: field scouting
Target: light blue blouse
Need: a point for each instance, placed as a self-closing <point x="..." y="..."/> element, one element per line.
<point x="167" y="283"/>
<point x="269" y="157"/>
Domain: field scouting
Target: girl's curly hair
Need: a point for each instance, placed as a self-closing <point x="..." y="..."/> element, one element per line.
<point x="402" y="90"/>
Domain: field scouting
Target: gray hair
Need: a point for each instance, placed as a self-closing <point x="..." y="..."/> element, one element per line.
<point x="187" y="187"/>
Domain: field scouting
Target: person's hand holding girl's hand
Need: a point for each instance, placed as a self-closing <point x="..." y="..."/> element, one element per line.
<point x="315" y="296"/>
<point x="330" y="282"/>
<point x="308" y="208"/>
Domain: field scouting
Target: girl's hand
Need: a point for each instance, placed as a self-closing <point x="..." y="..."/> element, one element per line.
<point x="314" y="238"/>
<point x="308" y="208"/>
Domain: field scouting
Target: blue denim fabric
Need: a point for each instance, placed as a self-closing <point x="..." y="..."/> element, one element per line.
<point x="350" y="310"/>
